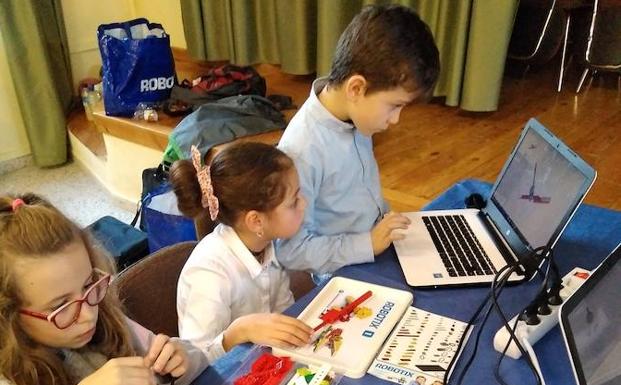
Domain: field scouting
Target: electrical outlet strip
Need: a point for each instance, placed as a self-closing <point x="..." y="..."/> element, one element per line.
<point x="533" y="333"/>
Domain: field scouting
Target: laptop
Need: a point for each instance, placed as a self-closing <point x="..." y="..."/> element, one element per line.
<point x="591" y="325"/>
<point x="537" y="192"/>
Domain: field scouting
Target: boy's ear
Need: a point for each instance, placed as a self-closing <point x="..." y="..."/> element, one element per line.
<point x="355" y="87"/>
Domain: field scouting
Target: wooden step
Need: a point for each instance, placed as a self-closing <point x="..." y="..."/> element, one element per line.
<point x="154" y="135"/>
<point x="87" y="133"/>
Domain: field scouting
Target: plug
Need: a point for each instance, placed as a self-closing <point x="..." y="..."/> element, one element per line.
<point x="554" y="296"/>
<point x="544" y="309"/>
<point x="529" y="315"/>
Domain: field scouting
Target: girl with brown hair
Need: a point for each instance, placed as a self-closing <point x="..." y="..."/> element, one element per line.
<point x="232" y="288"/>
<point x="60" y="322"/>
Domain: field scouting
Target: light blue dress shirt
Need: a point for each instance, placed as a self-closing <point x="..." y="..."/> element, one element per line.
<point x="340" y="180"/>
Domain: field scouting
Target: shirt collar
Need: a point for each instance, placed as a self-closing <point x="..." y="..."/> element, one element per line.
<point x="320" y="113"/>
<point x="244" y="255"/>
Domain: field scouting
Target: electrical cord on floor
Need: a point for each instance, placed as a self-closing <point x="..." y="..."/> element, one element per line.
<point x="498" y="284"/>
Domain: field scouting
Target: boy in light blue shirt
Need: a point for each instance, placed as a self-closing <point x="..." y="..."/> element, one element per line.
<point x="385" y="59"/>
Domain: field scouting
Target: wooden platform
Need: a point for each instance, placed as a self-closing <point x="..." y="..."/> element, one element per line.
<point x="434" y="146"/>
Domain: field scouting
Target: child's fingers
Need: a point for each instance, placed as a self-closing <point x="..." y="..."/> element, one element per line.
<point x="395" y="236"/>
<point x="179" y="371"/>
<point x="175" y="362"/>
<point x="154" y="350"/>
<point x="293" y="323"/>
<point x="165" y="355"/>
<point x="282" y="338"/>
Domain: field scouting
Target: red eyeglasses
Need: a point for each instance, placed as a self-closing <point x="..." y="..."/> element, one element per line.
<point x="68" y="314"/>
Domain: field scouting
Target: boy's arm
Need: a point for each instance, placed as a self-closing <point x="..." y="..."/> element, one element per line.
<point x="324" y="253"/>
<point x="309" y="251"/>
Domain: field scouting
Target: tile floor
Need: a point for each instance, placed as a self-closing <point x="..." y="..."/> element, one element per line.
<point x="70" y="188"/>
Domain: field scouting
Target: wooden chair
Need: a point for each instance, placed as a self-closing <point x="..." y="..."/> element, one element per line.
<point x="148" y="288"/>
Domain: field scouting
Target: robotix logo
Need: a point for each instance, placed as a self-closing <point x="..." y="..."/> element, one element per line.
<point x="378" y="319"/>
<point x="155" y="84"/>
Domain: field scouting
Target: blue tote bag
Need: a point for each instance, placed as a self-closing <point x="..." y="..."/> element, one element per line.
<point x="163" y="222"/>
<point x="138" y="65"/>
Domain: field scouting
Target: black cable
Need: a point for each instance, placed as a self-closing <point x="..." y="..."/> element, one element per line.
<point x="469" y="325"/>
<point x="507" y="270"/>
<point x="541" y="294"/>
<point x="494" y="292"/>
<point x="512" y="336"/>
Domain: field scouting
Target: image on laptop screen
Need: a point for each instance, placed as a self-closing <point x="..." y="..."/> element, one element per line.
<point x="595" y="325"/>
<point x="538" y="180"/>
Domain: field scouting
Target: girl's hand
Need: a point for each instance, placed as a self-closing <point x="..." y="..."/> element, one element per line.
<point x="121" y="371"/>
<point x="166" y="356"/>
<point x="267" y="329"/>
<point x="382" y="234"/>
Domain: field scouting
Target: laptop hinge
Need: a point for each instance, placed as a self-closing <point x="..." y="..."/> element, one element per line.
<point x="503" y="247"/>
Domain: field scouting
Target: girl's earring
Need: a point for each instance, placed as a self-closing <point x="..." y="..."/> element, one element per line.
<point x="260" y="233"/>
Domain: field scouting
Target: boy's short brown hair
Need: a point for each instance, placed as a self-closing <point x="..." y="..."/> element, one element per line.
<point x="390" y="46"/>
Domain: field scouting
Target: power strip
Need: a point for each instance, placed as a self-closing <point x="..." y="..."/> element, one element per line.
<point x="533" y="333"/>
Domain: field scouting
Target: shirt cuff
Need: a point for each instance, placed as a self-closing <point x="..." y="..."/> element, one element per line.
<point x="215" y="349"/>
<point x="363" y="248"/>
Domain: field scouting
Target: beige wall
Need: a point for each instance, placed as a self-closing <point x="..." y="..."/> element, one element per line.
<point x="12" y="132"/>
<point x="83" y="17"/>
<point x="81" y="21"/>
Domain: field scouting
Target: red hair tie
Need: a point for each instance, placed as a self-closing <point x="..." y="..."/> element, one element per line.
<point x="16" y="203"/>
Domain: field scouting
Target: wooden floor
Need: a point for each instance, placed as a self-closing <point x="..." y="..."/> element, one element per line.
<point x="434" y="146"/>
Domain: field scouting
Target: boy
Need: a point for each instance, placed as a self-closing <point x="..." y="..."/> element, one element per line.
<point x="385" y="59"/>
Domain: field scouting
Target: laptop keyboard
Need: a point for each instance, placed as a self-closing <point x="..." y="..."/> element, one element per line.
<point x="457" y="245"/>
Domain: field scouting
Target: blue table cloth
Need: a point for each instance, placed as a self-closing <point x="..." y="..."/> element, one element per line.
<point x="591" y="235"/>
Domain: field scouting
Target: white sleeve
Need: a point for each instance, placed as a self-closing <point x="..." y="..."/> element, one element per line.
<point x="207" y="311"/>
<point x="284" y="296"/>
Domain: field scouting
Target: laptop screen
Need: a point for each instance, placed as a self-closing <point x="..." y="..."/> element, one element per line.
<point x="592" y="324"/>
<point x="540" y="187"/>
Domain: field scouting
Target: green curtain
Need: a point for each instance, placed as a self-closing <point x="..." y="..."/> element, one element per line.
<point x="38" y="56"/>
<point x="300" y="35"/>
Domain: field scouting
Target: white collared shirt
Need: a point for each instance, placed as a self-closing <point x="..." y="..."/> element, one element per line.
<point x="340" y="180"/>
<point x="222" y="281"/>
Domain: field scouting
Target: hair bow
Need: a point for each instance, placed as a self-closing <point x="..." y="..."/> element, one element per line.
<point x="209" y="199"/>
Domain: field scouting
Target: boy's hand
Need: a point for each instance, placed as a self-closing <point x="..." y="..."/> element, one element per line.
<point x="121" y="371"/>
<point x="382" y="234"/>
<point x="271" y="329"/>
<point x="166" y="356"/>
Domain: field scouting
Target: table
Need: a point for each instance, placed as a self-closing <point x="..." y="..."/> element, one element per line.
<point x="591" y="235"/>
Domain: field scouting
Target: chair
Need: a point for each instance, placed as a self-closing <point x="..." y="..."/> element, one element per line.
<point x="541" y="28"/>
<point x="603" y="52"/>
<point x="148" y="288"/>
<point x="537" y="32"/>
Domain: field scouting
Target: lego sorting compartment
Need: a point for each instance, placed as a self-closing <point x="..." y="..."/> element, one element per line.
<point x="261" y="368"/>
<point x="349" y="344"/>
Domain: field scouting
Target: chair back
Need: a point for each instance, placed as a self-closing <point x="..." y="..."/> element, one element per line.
<point x="537" y="31"/>
<point x="148" y="288"/>
<point x="604" y="44"/>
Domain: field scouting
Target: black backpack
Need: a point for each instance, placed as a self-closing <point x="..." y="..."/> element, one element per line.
<point x="220" y="82"/>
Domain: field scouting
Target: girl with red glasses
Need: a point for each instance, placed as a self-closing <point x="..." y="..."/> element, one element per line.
<point x="61" y="322"/>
